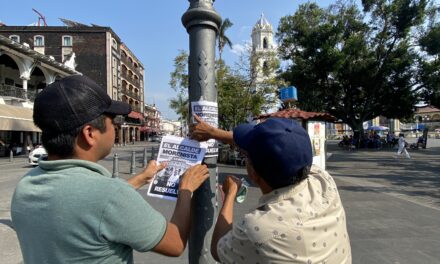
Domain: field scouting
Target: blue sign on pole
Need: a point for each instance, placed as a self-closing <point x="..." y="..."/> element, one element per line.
<point x="288" y="94"/>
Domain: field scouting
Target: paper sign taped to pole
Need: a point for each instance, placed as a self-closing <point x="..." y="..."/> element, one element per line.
<point x="208" y="112"/>
<point x="180" y="154"/>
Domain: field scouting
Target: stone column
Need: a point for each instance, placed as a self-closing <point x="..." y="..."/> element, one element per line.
<point x="202" y="23"/>
<point x="25" y="86"/>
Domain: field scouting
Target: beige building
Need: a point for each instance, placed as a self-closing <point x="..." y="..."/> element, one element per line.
<point x="152" y="124"/>
<point x="131" y="91"/>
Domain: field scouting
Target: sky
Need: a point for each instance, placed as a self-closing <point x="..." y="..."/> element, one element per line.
<point x="152" y="29"/>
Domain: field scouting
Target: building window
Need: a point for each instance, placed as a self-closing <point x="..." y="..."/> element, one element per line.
<point x="115" y="44"/>
<point x="38" y="41"/>
<point x="15" y="38"/>
<point x="265" y="45"/>
<point x="67" y="41"/>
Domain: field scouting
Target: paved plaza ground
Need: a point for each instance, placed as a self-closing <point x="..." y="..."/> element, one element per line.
<point x="392" y="204"/>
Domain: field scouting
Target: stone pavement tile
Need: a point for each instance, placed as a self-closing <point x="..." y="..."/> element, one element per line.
<point x="386" y="229"/>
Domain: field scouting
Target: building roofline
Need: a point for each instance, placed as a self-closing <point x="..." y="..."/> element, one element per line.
<point x="64" y="29"/>
<point x="132" y="54"/>
<point x="35" y="55"/>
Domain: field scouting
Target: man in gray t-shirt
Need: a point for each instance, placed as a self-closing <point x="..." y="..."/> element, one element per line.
<point x="69" y="209"/>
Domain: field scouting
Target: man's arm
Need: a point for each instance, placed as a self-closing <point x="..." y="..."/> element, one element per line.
<point x="146" y="176"/>
<point x="203" y="131"/>
<point x="224" y="220"/>
<point x="176" y="235"/>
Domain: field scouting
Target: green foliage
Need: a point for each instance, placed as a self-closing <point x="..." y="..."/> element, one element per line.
<point x="430" y="67"/>
<point x="222" y="39"/>
<point x="180" y="105"/>
<point x="237" y="98"/>
<point x="354" y="64"/>
<point x="179" y="77"/>
<point x="179" y="83"/>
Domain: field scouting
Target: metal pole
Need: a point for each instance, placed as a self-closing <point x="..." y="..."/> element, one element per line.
<point x="133" y="162"/>
<point x="145" y="160"/>
<point x="115" y="166"/>
<point x="202" y="23"/>
<point x="11" y="156"/>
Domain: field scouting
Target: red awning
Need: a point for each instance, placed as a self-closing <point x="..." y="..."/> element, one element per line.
<point x="298" y="114"/>
<point x="136" y="115"/>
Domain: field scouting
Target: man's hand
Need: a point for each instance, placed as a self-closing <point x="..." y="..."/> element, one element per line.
<point x="147" y="175"/>
<point x="193" y="178"/>
<point x="201" y="130"/>
<point x="231" y="185"/>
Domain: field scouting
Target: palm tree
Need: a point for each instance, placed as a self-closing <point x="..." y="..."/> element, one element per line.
<point x="180" y="105"/>
<point x="222" y="38"/>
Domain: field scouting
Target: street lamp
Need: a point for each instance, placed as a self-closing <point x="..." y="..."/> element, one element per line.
<point x="202" y="23"/>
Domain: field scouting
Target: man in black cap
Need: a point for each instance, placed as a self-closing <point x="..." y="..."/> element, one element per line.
<point x="69" y="209"/>
<point x="299" y="218"/>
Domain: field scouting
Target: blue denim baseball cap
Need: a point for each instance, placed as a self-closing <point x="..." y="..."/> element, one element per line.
<point x="278" y="148"/>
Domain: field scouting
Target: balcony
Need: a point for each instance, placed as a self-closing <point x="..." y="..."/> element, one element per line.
<point x="132" y="80"/>
<point x="131" y="94"/>
<point x="127" y="62"/>
<point x="17" y="92"/>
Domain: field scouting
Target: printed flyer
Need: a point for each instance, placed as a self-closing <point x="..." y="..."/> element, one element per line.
<point x="180" y="154"/>
<point x="208" y="112"/>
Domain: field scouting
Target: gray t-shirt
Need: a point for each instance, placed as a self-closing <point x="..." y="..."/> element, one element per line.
<point x="72" y="211"/>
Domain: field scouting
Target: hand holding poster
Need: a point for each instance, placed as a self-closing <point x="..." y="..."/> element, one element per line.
<point x="208" y="112"/>
<point x="180" y="154"/>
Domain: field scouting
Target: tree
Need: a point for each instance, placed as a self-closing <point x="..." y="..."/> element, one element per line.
<point x="240" y="96"/>
<point x="180" y="105"/>
<point x="353" y="64"/>
<point x="223" y="40"/>
<point x="430" y="65"/>
<point x="179" y="83"/>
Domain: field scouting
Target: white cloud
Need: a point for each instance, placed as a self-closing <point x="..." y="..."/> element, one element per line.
<point x="238" y="49"/>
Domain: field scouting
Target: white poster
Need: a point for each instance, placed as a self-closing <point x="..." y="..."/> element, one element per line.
<point x="208" y="112"/>
<point x="180" y="154"/>
<point x="316" y="131"/>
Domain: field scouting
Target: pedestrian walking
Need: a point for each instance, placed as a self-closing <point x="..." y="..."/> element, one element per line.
<point x="402" y="146"/>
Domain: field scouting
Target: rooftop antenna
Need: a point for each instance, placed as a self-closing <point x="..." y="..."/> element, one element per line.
<point x="40" y="18"/>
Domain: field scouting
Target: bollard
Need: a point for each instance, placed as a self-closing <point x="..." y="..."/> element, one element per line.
<point x="145" y="161"/>
<point x="11" y="156"/>
<point x="133" y="162"/>
<point x="115" y="166"/>
<point x="152" y="153"/>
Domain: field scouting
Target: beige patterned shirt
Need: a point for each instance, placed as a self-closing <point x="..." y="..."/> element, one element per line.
<point x="304" y="223"/>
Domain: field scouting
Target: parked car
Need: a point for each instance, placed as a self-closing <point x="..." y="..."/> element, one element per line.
<point x="37" y="154"/>
<point x="156" y="138"/>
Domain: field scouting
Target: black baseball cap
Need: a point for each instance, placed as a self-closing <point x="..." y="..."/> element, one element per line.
<point x="72" y="102"/>
<point x="278" y="148"/>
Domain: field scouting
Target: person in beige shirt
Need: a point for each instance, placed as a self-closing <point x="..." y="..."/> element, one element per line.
<point x="299" y="218"/>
